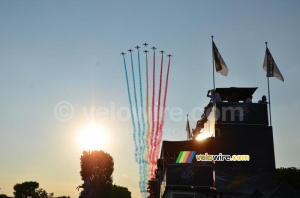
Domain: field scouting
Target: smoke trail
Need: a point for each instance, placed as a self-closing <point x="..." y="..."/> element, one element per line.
<point x="154" y="156"/>
<point x="165" y="96"/>
<point x="159" y="94"/>
<point x="143" y="176"/>
<point x="140" y="154"/>
<point x="141" y="96"/>
<point x="164" y="105"/>
<point x="137" y="108"/>
<point x="131" y="109"/>
<point x="147" y="110"/>
<point x="150" y="158"/>
<point x="141" y="99"/>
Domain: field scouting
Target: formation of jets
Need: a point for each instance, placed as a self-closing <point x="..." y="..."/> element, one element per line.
<point x="146" y="51"/>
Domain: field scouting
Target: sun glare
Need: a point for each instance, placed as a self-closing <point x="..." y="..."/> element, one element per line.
<point x="201" y="136"/>
<point x="92" y="137"/>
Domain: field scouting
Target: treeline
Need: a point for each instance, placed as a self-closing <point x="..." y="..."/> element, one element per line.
<point x="96" y="172"/>
<point x="31" y="189"/>
<point x="290" y="175"/>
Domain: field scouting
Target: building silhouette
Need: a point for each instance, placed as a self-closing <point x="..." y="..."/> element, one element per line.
<point x="237" y="128"/>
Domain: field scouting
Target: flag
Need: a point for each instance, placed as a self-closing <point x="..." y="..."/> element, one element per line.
<point x="219" y="62"/>
<point x="188" y="129"/>
<point x="270" y="66"/>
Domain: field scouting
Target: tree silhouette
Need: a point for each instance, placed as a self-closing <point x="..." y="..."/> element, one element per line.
<point x="4" y="196"/>
<point x="153" y="188"/>
<point x="96" y="172"/>
<point x="120" y="192"/>
<point x="30" y="189"/>
<point x="290" y="175"/>
<point x="41" y="193"/>
<point x="26" y="189"/>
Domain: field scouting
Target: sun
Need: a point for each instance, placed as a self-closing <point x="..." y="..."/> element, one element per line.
<point x="201" y="136"/>
<point x="92" y="137"/>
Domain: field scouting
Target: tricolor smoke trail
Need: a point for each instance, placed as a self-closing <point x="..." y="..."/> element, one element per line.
<point x="147" y="137"/>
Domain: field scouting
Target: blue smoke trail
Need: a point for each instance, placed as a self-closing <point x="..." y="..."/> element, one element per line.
<point x="137" y="109"/>
<point x="136" y="134"/>
<point x="141" y="97"/>
<point x="143" y="145"/>
<point x="131" y="110"/>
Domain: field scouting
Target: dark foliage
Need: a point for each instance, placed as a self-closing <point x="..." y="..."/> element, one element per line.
<point x="153" y="188"/>
<point x="4" y="196"/>
<point x="120" y="192"/>
<point x="291" y="175"/>
<point x="96" y="172"/>
<point x="26" y="189"/>
<point x="30" y="189"/>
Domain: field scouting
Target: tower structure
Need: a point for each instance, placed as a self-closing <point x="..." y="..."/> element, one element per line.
<point x="237" y="160"/>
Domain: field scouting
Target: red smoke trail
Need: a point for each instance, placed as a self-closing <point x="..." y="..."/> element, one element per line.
<point x="159" y="138"/>
<point x="150" y="157"/>
<point x="154" y="156"/>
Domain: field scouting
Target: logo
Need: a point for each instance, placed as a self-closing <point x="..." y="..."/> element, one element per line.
<point x="185" y="157"/>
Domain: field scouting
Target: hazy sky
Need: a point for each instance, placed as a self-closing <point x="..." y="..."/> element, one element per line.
<point x="69" y="51"/>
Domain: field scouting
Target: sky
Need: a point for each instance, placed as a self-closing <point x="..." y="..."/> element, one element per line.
<point x="61" y="70"/>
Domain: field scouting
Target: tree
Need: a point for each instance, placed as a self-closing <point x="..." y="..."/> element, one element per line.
<point x="25" y="189"/>
<point x="41" y="193"/>
<point x="30" y="189"/>
<point x="4" y="196"/>
<point x="290" y="175"/>
<point x="153" y="188"/>
<point x="96" y="172"/>
<point x="120" y="192"/>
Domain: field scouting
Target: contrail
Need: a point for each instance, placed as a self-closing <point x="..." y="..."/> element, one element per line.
<point x="147" y="135"/>
<point x="143" y="176"/>
<point x="131" y="109"/>
<point x="164" y="106"/>
<point x="157" y="132"/>
<point x="150" y="158"/>
<point x="141" y="98"/>
<point x="136" y="106"/>
<point x="159" y="94"/>
<point x="147" y="111"/>
<point x="139" y="145"/>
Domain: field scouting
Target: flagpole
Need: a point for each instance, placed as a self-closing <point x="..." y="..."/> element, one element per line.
<point x="187" y="133"/>
<point x="213" y="62"/>
<point x="188" y="129"/>
<point x="269" y="92"/>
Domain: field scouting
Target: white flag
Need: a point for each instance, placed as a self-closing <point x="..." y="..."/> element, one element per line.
<point x="219" y="62"/>
<point x="270" y="66"/>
